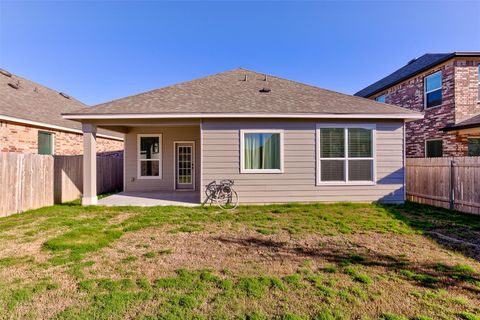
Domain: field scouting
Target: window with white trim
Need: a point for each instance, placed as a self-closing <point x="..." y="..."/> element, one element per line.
<point x="261" y="151"/>
<point x="433" y="90"/>
<point x="346" y="154"/>
<point x="149" y="156"/>
<point x="380" y="98"/>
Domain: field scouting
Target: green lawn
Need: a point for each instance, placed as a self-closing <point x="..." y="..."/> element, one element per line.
<point x="319" y="261"/>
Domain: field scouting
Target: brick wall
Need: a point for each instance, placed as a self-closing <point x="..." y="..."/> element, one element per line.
<point x="16" y="137"/>
<point x="466" y="90"/>
<point x="456" y="104"/>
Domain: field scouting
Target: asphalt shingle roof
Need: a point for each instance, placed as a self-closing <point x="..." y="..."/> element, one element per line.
<point x="473" y="122"/>
<point x="34" y="102"/>
<point x="238" y="91"/>
<point x="414" y="67"/>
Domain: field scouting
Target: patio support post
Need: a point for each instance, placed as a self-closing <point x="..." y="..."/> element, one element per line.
<point x="89" y="164"/>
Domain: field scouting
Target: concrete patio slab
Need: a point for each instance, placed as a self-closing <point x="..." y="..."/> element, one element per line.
<point x="154" y="198"/>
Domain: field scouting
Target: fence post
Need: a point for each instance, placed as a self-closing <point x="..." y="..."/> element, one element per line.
<point x="452" y="186"/>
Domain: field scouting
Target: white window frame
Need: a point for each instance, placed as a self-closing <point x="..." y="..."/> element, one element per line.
<point x="53" y="140"/>
<point x="346" y="158"/>
<point x="242" y="151"/>
<point x="160" y="158"/>
<point x="435" y="139"/>
<point x="425" y="92"/>
<point x="384" y="98"/>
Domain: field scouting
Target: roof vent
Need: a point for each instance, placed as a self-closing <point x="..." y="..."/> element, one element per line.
<point x="5" y="73"/>
<point x="264" y="90"/>
<point x="15" y="85"/>
<point x="64" y="95"/>
<point x="411" y="61"/>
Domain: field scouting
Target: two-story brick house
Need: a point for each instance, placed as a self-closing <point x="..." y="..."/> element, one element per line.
<point x="446" y="88"/>
<point x="31" y="121"/>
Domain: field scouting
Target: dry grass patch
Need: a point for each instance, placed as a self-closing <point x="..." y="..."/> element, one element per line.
<point x="336" y="261"/>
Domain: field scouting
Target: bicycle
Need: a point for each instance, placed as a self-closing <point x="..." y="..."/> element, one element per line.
<point x="222" y="193"/>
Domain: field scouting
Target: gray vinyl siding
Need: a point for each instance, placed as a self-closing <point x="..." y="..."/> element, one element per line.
<point x="221" y="160"/>
<point x="169" y="135"/>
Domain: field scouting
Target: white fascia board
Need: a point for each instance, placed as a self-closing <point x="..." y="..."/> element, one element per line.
<point x="52" y="126"/>
<point x="243" y="115"/>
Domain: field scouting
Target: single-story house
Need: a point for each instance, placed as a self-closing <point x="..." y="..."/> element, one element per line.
<point x="31" y="121"/>
<point x="279" y="140"/>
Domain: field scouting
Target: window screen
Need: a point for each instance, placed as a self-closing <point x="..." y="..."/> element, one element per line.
<point x="434" y="148"/>
<point x="150" y="156"/>
<point x="348" y="159"/>
<point x="433" y="90"/>
<point x="45" y="142"/>
<point x="473" y="147"/>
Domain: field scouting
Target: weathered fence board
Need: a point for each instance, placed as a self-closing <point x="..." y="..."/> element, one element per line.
<point x="445" y="182"/>
<point x="30" y="181"/>
<point x="26" y="182"/>
<point x="69" y="176"/>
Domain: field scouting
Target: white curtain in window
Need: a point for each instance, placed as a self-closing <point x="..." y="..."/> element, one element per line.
<point x="262" y="150"/>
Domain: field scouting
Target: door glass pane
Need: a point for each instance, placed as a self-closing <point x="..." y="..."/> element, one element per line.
<point x="262" y="150"/>
<point x="184" y="165"/>
<point x="434" y="148"/>
<point x="473" y="147"/>
<point x="45" y="143"/>
<point x="332" y="170"/>
<point x="360" y="170"/>
<point x="149" y="148"/>
<point x="359" y="143"/>
<point x="149" y="168"/>
<point x="332" y="143"/>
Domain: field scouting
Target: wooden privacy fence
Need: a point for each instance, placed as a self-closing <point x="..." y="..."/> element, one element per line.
<point x="68" y="176"/>
<point x="26" y="182"/>
<point x="30" y="181"/>
<point x="445" y="182"/>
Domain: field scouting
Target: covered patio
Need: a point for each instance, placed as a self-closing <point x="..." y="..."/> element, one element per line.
<point x="152" y="198"/>
<point x="161" y="162"/>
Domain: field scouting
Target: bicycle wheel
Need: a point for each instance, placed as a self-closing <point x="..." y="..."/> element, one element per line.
<point x="227" y="201"/>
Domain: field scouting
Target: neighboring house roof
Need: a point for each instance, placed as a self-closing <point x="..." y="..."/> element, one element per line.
<point x="473" y="122"/>
<point x="24" y="101"/>
<point x="240" y="93"/>
<point x="415" y="66"/>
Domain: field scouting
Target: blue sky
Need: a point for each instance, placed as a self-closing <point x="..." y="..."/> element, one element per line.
<point x="99" y="51"/>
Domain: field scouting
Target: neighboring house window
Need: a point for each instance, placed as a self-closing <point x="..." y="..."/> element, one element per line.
<point x="473" y="147"/>
<point x="434" y="148"/>
<point x="346" y="154"/>
<point x="433" y="90"/>
<point x="261" y="151"/>
<point x="380" y="98"/>
<point x="45" y="142"/>
<point x="149" y="156"/>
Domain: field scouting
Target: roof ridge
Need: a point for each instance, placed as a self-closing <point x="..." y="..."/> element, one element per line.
<point x="167" y="86"/>
<point x="338" y="93"/>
